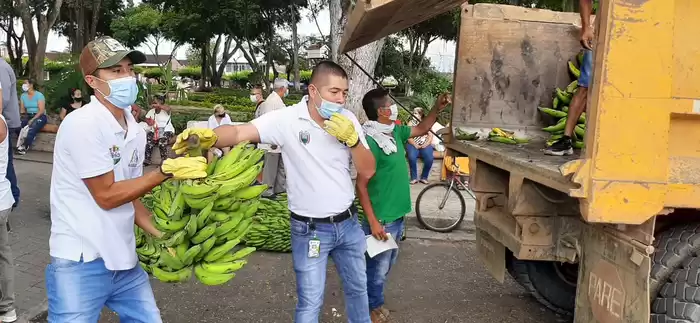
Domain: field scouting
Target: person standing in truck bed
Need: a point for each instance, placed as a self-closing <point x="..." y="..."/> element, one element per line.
<point x="563" y="146"/>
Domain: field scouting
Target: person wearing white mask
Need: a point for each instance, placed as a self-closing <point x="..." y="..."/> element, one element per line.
<point x="389" y="198"/>
<point x="273" y="172"/>
<point x="96" y="184"/>
<point x="256" y="96"/>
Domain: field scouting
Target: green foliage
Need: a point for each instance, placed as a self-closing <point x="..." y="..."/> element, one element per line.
<point x="426" y="101"/>
<point x="432" y="83"/>
<point x="139" y="69"/>
<point x="137" y="24"/>
<point x="193" y="72"/>
<point x="153" y="72"/>
<point x="57" y="89"/>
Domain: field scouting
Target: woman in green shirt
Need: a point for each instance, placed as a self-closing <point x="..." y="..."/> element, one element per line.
<point x="389" y="189"/>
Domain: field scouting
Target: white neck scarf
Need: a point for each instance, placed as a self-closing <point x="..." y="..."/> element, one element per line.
<point x="383" y="134"/>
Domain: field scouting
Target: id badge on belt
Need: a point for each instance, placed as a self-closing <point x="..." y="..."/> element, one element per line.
<point x="314" y="244"/>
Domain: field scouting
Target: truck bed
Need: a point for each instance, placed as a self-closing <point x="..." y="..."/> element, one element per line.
<point x="528" y="160"/>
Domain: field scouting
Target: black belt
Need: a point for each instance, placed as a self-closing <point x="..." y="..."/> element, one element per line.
<point x="340" y="217"/>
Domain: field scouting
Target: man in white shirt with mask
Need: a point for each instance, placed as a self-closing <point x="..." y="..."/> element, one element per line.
<point x="96" y="183"/>
<point x="273" y="173"/>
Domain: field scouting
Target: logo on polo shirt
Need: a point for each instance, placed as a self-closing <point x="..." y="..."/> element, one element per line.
<point x="134" y="161"/>
<point x="304" y="137"/>
<point x="116" y="155"/>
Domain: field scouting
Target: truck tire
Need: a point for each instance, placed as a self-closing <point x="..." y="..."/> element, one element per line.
<point x="551" y="284"/>
<point x="675" y="276"/>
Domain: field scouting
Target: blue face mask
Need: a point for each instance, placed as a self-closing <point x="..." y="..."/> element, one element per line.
<point x="327" y="108"/>
<point x="122" y="92"/>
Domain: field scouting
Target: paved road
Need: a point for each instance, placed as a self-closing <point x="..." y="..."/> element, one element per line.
<point x="434" y="281"/>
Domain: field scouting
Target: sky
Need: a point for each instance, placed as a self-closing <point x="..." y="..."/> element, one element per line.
<point x="441" y="53"/>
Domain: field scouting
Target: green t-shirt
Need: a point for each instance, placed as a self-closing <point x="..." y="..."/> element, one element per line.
<point x="389" y="189"/>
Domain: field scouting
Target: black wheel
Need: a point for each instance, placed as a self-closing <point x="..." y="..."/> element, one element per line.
<point x="675" y="276"/>
<point x="552" y="283"/>
<point x="430" y="199"/>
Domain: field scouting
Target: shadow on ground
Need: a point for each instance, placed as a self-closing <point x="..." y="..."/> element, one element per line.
<point x="434" y="282"/>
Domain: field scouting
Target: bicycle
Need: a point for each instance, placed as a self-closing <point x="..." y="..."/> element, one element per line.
<point x="451" y="186"/>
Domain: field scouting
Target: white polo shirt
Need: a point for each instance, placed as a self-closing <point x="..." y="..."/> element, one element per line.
<point x="317" y="164"/>
<point x="90" y="142"/>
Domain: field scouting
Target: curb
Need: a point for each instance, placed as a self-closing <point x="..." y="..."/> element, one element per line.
<point x="467" y="226"/>
<point x="33" y="312"/>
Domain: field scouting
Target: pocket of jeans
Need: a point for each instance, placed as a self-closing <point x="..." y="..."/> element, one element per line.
<point x="60" y="263"/>
<point x="299" y="228"/>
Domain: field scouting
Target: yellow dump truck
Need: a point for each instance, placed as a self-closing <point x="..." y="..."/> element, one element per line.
<point x="611" y="234"/>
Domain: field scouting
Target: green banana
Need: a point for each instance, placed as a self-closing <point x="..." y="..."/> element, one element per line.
<point x="230" y="158"/>
<point x="179" y="276"/>
<point x="236" y="233"/>
<point x="250" y="192"/>
<point x="251" y="209"/>
<point x="206" y="246"/>
<point x="211" y="279"/>
<point x="219" y="216"/>
<point x="145" y="267"/>
<point x="564" y="97"/>
<point x="170" y="259"/>
<point x="243" y="253"/>
<point x="204" y="233"/>
<point x="580" y="131"/>
<point x="178" y="206"/>
<point x="555" y="103"/>
<point x="557" y="127"/>
<point x="146" y="250"/>
<point x="190" y="254"/>
<point x="582" y="118"/>
<point x="572" y="87"/>
<point x="241" y="165"/>
<point x="503" y="140"/>
<point x="242" y="180"/>
<point x="191" y="227"/>
<point x="565" y="109"/>
<point x="224" y="267"/>
<point x="234" y="206"/>
<point x="227" y="226"/>
<point x="223" y="204"/>
<point x="200" y="203"/>
<point x="181" y="249"/>
<point x="204" y="214"/>
<point x="176" y="239"/>
<point x="574" y="70"/>
<point x="212" y="165"/>
<point x="578" y="144"/>
<point x="554" y="113"/>
<point x="170" y="225"/>
<point x="217" y="252"/>
<point x="160" y="212"/>
<point x="198" y="189"/>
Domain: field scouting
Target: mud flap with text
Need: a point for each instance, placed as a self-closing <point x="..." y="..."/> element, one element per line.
<point x="613" y="283"/>
<point x="493" y="254"/>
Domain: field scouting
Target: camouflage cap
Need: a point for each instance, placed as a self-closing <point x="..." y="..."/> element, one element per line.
<point x="104" y="52"/>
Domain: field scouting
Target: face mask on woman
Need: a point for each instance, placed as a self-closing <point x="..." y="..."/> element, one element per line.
<point x="25" y="87"/>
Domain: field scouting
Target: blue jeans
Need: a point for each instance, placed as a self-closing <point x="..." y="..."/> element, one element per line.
<point x="586" y="69"/>
<point x="78" y="290"/>
<point x="379" y="266"/>
<point x="33" y="129"/>
<point x="11" y="175"/>
<point x="426" y="154"/>
<point x="345" y="243"/>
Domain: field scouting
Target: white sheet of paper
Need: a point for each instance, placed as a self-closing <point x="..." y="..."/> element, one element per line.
<point x="375" y="247"/>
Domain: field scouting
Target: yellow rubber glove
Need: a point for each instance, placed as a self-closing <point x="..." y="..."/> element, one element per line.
<point x="342" y="128"/>
<point x="207" y="138"/>
<point x="185" y="167"/>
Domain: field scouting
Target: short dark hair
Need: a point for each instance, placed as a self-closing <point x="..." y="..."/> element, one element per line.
<point x="372" y="101"/>
<point x="325" y="68"/>
<point x="160" y="98"/>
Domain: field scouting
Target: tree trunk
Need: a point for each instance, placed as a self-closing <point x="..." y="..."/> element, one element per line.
<point x="36" y="44"/>
<point x="366" y="56"/>
<point x="295" y="54"/>
<point x="203" y="80"/>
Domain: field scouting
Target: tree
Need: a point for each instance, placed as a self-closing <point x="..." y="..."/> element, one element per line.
<point x="46" y="13"/>
<point x="366" y="56"/>
<point x="82" y="20"/>
<point x="420" y="36"/>
<point x="13" y="41"/>
<point x="142" y="25"/>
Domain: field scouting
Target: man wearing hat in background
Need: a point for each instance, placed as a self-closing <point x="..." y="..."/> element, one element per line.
<point x="96" y="184"/>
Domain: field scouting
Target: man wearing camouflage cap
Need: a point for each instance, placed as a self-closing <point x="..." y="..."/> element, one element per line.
<point x="96" y="184"/>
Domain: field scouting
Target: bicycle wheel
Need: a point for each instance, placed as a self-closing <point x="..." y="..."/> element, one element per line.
<point x="431" y="199"/>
